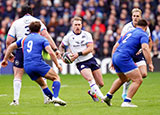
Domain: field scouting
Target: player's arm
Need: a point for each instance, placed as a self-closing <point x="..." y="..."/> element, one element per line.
<point x="150" y="43"/>
<point x="9" y="41"/>
<point x="45" y="34"/>
<point x="53" y="56"/>
<point x="115" y="47"/>
<point x="62" y="48"/>
<point x="88" y="50"/>
<point x="10" y="49"/>
<point x="146" y="53"/>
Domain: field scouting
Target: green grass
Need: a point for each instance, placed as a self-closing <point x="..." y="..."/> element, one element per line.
<point x="74" y="92"/>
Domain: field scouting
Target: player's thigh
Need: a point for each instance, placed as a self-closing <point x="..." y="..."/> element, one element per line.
<point x="87" y="74"/>
<point x="18" y="72"/>
<point x="122" y="77"/>
<point x="41" y="82"/>
<point x="52" y="75"/>
<point x="134" y="75"/>
<point x="98" y="77"/>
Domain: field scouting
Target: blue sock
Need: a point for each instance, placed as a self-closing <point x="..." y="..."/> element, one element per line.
<point x="56" y="87"/>
<point x="109" y="96"/>
<point x="48" y="92"/>
<point x="127" y="100"/>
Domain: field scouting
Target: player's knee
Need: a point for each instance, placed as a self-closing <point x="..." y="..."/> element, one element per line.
<point x="144" y="75"/>
<point x="101" y="84"/>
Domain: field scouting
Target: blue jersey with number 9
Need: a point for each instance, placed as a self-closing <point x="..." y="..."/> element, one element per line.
<point x="32" y="46"/>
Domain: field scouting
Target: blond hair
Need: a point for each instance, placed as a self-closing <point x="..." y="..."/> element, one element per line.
<point x="136" y="10"/>
<point x="76" y="19"/>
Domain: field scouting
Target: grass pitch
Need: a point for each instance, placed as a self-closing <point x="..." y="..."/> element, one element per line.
<point x="74" y="92"/>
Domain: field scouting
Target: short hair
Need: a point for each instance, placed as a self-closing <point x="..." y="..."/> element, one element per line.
<point x="136" y="10"/>
<point x="76" y="19"/>
<point x="142" y="22"/>
<point x="35" y="26"/>
<point x="26" y="9"/>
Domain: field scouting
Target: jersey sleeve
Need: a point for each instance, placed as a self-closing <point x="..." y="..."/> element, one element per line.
<point x="124" y="30"/>
<point x="43" y="27"/>
<point x="12" y="31"/>
<point x="19" y="43"/>
<point x="144" y="38"/>
<point x="148" y="32"/>
<point x="45" y="42"/>
<point x="89" y="38"/>
<point x="65" y="40"/>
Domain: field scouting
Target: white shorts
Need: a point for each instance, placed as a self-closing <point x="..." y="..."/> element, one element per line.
<point x="140" y="63"/>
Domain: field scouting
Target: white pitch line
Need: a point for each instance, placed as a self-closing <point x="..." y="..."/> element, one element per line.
<point x="1" y="95"/>
<point x="64" y="85"/>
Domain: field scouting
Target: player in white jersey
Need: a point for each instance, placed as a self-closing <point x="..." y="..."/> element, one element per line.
<point x="139" y="58"/>
<point x="81" y="45"/>
<point x="18" y="30"/>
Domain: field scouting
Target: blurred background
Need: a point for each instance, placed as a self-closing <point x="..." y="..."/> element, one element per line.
<point x="104" y="19"/>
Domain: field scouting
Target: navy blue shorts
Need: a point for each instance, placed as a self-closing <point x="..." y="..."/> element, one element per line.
<point x="138" y="58"/>
<point x="91" y="63"/>
<point x="18" y="61"/>
<point x="36" y="69"/>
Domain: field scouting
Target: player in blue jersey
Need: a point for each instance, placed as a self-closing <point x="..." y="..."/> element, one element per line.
<point x="34" y="64"/>
<point x="20" y="29"/>
<point x="124" y="65"/>
<point x="138" y="58"/>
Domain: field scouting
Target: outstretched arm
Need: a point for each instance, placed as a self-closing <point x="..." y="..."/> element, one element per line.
<point x="53" y="56"/>
<point x="10" y="49"/>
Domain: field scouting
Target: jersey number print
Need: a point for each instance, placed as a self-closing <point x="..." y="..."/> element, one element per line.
<point x="125" y="40"/>
<point x="29" y="46"/>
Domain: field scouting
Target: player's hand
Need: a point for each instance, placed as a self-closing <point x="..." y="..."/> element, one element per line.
<point x="11" y="58"/>
<point x="59" y="68"/>
<point x="151" y="67"/>
<point x="74" y="56"/>
<point x="58" y="54"/>
<point x="4" y="63"/>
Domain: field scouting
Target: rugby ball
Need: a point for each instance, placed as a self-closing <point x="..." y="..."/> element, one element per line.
<point x="67" y="57"/>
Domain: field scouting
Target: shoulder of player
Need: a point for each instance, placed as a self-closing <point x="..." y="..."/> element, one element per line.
<point x="86" y="33"/>
<point x="127" y="25"/>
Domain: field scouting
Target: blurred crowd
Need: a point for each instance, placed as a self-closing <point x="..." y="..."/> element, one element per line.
<point x="104" y="19"/>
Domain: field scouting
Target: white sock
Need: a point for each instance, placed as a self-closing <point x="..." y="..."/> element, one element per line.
<point x="95" y="89"/>
<point x="45" y="96"/>
<point x="126" y="86"/>
<point x="17" y="88"/>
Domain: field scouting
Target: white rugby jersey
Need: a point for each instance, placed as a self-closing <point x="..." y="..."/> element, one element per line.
<point x="78" y="43"/>
<point x="129" y="26"/>
<point x="20" y="28"/>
